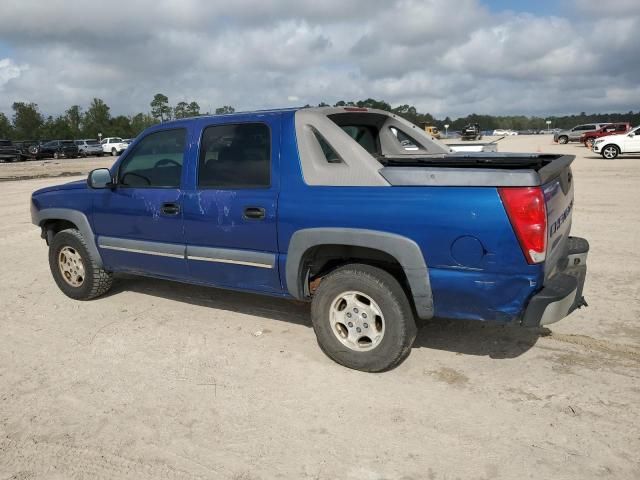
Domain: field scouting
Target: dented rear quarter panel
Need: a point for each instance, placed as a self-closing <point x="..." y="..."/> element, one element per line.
<point x="494" y="285"/>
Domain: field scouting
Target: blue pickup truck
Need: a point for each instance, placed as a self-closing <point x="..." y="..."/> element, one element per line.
<point x="355" y="210"/>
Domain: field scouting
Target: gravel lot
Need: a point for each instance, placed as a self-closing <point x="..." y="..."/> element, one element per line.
<point x="161" y="380"/>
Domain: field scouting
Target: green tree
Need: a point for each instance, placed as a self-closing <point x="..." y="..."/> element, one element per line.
<point x="180" y="110"/>
<point x="225" y="109"/>
<point x="27" y="120"/>
<point x="193" y="109"/>
<point x="120" y="126"/>
<point x="96" y="119"/>
<point x="6" y="130"/>
<point x="141" y="121"/>
<point x="74" y="120"/>
<point x="56" y="128"/>
<point x="160" y="108"/>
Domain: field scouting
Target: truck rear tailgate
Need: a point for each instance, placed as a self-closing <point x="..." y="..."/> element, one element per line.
<point x="558" y="195"/>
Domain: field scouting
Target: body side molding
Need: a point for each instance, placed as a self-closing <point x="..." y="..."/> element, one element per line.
<point x="403" y="249"/>
<point x="247" y="258"/>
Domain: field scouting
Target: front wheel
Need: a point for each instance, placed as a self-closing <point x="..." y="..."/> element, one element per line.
<point x="75" y="272"/>
<point x="114" y="152"/>
<point x="563" y="139"/>
<point x="610" y="152"/>
<point x="362" y="318"/>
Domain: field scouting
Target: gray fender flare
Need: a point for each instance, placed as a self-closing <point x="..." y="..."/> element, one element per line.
<point x="403" y="249"/>
<point x="77" y="218"/>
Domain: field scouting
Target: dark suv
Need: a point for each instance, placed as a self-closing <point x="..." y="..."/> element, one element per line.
<point x="55" y="149"/>
<point x="8" y="151"/>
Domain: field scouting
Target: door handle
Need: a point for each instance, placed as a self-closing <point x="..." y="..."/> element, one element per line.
<point x="170" y="208"/>
<point x="254" y="213"/>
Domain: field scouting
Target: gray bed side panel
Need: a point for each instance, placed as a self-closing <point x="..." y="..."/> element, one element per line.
<point x="359" y="167"/>
<point x="77" y="218"/>
<point x="460" y="177"/>
<point x="404" y="250"/>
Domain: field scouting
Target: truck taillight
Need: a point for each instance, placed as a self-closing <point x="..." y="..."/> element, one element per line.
<point x="528" y="215"/>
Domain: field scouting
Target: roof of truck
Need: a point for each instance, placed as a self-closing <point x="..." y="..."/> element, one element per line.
<point x="248" y="113"/>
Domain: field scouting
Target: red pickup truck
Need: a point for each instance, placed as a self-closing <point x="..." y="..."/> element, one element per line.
<point x="610" y="129"/>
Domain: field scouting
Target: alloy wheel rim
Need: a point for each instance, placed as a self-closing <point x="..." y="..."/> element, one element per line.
<point x="71" y="266"/>
<point x="357" y="321"/>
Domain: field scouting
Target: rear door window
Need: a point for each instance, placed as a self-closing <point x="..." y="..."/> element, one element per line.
<point x="235" y="156"/>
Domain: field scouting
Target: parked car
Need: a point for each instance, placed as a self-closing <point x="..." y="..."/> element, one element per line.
<point x="23" y="148"/>
<point x="326" y="205"/>
<point x="610" y="129"/>
<point x="573" y="135"/>
<point x="8" y="152"/>
<point x="613" y="145"/>
<point x="89" y="148"/>
<point x="504" y="133"/>
<point x="54" y="149"/>
<point x="113" y="145"/>
<point x="471" y="132"/>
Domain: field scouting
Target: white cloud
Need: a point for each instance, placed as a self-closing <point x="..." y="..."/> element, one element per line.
<point x="447" y="58"/>
<point x="9" y="70"/>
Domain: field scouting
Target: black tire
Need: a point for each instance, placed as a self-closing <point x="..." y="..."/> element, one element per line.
<point x="114" y="152"/>
<point x="399" y="322"/>
<point x="96" y="281"/>
<point x="563" y="139"/>
<point x="610" y="152"/>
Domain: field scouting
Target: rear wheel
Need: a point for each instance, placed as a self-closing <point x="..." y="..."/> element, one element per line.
<point x="56" y="155"/>
<point x="362" y="318"/>
<point x="563" y="139"/>
<point x="114" y="152"/>
<point x="610" y="152"/>
<point x="75" y="272"/>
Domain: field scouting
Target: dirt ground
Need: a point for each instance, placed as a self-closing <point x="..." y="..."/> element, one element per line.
<point x="164" y="381"/>
<point x="51" y="168"/>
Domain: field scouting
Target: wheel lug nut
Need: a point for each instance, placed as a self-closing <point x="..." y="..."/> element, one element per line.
<point x="366" y="325"/>
<point x="355" y="310"/>
<point x="350" y="324"/>
<point x="364" y="315"/>
<point x="348" y="315"/>
<point x="358" y="329"/>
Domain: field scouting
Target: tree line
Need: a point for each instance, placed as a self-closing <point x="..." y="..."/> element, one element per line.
<point x="28" y="123"/>
<point x="492" y="122"/>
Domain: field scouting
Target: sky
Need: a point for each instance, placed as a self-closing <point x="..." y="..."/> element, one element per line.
<point x="448" y="58"/>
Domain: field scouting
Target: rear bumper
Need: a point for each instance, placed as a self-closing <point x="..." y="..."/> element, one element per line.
<point x="562" y="293"/>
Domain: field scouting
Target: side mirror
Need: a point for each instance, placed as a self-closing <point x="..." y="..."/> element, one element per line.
<point x="100" y="178"/>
